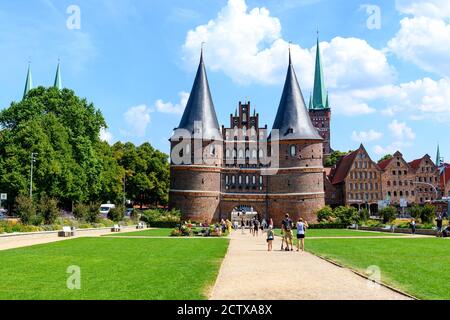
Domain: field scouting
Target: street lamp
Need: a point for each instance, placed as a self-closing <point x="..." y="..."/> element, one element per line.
<point x="33" y="160"/>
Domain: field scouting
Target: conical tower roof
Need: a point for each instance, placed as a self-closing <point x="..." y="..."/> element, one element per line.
<point x="58" y="81"/>
<point x="292" y="120"/>
<point x="200" y="107"/>
<point x="320" y="96"/>
<point x="28" y="83"/>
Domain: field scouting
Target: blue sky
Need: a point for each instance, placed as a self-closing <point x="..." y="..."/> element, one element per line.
<point x="136" y="61"/>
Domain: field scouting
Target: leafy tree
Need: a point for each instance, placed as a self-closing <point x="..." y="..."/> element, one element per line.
<point x="346" y="215"/>
<point x="334" y="157"/>
<point x="386" y="157"/>
<point x="81" y="211"/>
<point x="93" y="213"/>
<point x="48" y="209"/>
<point x="116" y="214"/>
<point x="325" y="214"/>
<point x="25" y="209"/>
<point x="364" y="215"/>
<point x="428" y="213"/>
<point x="416" y="211"/>
<point x="388" y="214"/>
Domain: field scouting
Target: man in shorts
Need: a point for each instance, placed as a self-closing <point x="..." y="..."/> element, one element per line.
<point x="286" y="226"/>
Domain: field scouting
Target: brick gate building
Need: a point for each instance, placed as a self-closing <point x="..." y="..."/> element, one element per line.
<point x="215" y="170"/>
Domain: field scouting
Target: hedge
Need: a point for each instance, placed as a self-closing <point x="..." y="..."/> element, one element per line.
<point x="164" y="224"/>
<point x="328" y="226"/>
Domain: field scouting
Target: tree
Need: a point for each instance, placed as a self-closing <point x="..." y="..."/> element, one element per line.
<point x="346" y="215"/>
<point x="415" y="211"/>
<point x="388" y="214"/>
<point x="332" y="160"/>
<point x="80" y="211"/>
<point x="386" y="157"/>
<point x="325" y="214"/>
<point x="428" y="213"/>
<point x="25" y="209"/>
<point x="48" y="209"/>
<point x="364" y="215"/>
<point x="116" y="214"/>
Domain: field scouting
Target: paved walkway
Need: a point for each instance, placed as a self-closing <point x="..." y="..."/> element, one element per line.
<point x="31" y="240"/>
<point x="249" y="272"/>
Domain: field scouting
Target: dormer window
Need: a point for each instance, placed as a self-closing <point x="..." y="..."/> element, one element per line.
<point x="293" y="151"/>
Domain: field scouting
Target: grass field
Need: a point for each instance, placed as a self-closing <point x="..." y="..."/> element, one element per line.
<point x="112" y="268"/>
<point x="311" y="233"/>
<point x="418" y="266"/>
<point x="145" y="233"/>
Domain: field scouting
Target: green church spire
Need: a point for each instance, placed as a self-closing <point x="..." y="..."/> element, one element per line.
<point x="58" y="81"/>
<point x="438" y="157"/>
<point x="28" y="83"/>
<point x="320" y="95"/>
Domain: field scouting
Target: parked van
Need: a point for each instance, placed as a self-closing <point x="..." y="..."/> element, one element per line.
<point x="106" y="208"/>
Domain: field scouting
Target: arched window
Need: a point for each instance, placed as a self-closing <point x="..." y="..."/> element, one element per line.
<point x="233" y="179"/>
<point x="261" y="153"/>
<point x="241" y="154"/>
<point x="293" y="151"/>
<point x="254" y="179"/>
<point x="254" y="154"/>
<point x="227" y="179"/>
<point x="240" y="179"/>
<point x="260" y="180"/>
<point x="247" y="180"/>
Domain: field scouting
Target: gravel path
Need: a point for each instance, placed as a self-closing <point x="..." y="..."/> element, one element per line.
<point x="34" y="239"/>
<point x="249" y="272"/>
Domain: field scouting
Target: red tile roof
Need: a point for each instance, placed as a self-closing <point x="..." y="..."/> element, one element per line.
<point x="415" y="164"/>
<point x="343" y="167"/>
<point x="445" y="173"/>
<point x="383" y="164"/>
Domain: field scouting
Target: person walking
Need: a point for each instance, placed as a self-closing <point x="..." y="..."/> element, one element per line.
<point x="256" y="228"/>
<point x="301" y="233"/>
<point x="243" y="226"/>
<point x="271" y="223"/>
<point x="286" y="225"/>
<point x="270" y="238"/>
<point x="439" y="225"/>
<point x="413" y="226"/>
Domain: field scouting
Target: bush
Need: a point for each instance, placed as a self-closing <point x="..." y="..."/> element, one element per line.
<point x="388" y="214"/>
<point x="25" y="209"/>
<point x="93" y="213"/>
<point x="163" y="224"/>
<point x="428" y="214"/>
<point x="415" y="211"/>
<point x="364" y="215"/>
<point x="327" y="226"/>
<point x="81" y="211"/>
<point x="157" y="215"/>
<point x="346" y="215"/>
<point x="116" y="214"/>
<point x="325" y="214"/>
<point x="48" y="209"/>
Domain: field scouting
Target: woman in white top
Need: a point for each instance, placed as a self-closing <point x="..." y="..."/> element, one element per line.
<point x="301" y="231"/>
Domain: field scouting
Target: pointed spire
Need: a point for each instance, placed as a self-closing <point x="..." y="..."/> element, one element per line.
<point x="438" y="157"/>
<point x="200" y="107"/>
<point x="319" y="93"/>
<point x="292" y="120"/>
<point x="29" y="82"/>
<point x="58" y="81"/>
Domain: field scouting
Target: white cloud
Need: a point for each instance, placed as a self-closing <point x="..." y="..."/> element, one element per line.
<point x="427" y="8"/>
<point x="401" y="131"/>
<point x="106" y="135"/>
<point x="169" y="107"/>
<point x="402" y="137"/>
<point x="248" y="47"/>
<point x="137" y="119"/>
<point x="423" y="41"/>
<point x="366" y="136"/>
<point x="345" y="104"/>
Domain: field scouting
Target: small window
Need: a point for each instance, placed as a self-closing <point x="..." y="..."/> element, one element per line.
<point x="293" y="151"/>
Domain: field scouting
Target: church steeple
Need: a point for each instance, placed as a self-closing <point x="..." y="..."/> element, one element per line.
<point x="438" y="157"/>
<point x="320" y="95"/>
<point x="200" y="107"/>
<point x="58" y="81"/>
<point x="292" y="120"/>
<point x="28" y="83"/>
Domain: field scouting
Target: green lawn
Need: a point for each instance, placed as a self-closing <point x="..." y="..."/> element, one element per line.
<point x="112" y="268"/>
<point x="418" y="266"/>
<point x="144" y="233"/>
<point x="311" y="233"/>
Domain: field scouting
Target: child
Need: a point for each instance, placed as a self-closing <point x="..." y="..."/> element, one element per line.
<point x="270" y="237"/>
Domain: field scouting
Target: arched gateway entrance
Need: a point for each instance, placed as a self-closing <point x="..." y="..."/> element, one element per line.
<point x="244" y="214"/>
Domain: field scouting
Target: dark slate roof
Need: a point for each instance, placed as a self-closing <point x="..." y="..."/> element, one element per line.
<point x="292" y="120"/>
<point x="200" y="107"/>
